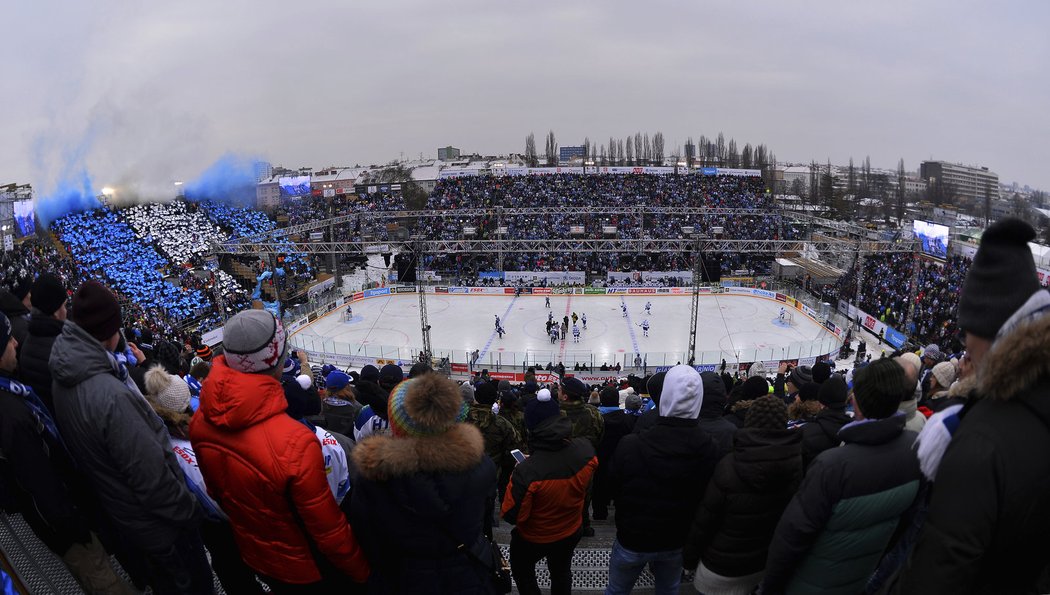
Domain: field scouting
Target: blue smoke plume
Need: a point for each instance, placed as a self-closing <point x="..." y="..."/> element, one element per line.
<point x="231" y="179"/>
<point x="72" y="194"/>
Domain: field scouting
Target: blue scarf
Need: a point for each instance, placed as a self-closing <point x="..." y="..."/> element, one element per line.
<point x="35" y="405"/>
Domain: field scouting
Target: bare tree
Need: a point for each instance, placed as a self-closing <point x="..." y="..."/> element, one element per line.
<point x="630" y="152"/>
<point x="552" y="149"/>
<point x="621" y="155"/>
<point x="720" y="150"/>
<point x="647" y="150"/>
<point x="746" y="156"/>
<point x="638" y="148"/>
<point x="732" y="156"/>
<point x="530" y="150"/>
<point x="658" y="148"/>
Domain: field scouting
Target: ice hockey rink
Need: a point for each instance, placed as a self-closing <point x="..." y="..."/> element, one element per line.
<point x="730" y="327"/>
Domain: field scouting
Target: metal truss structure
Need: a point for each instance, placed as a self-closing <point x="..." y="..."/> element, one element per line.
<point x="829" y="236"/>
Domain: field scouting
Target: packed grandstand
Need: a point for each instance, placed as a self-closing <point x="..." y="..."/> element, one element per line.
<point x="177" y="278"/>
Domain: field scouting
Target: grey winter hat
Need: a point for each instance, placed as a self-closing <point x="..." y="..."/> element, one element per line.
<point x="800" y="376"/>
<point x="1001" y="279"/>
<point x="254" y="341"/>
<point x="467" y="392"/>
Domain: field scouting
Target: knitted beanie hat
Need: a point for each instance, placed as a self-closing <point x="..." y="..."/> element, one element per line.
<point x="809" y="391"/>
<point x="821" y="372"/>
<point x="1001" y="279"/>
<point x="467" y="392"/>
<point x="167" y="390"/>
<point x="95" y="309"/>
<point x="757" y="369"/>
<point x="944" y="372"/>
<point x="48" y="294"/>
<point x="800" y="376"/>
<point x="833" y="393"/>
<point x="753" y="388"/>
<point x="426" y="405"/>
<point x="485" y="393"/>
<point x="254" y="341"/>
<point x="767" y="413"/>
<point x="204" y="352"/>
<point x="540" y="409"/>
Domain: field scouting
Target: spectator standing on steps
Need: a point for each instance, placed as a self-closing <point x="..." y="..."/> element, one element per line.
<point x="586" y="422"/>
<point x="658" y="478"/>
<point x="545" y="497"/>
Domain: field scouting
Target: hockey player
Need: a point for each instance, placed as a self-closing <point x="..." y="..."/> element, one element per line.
<point x="645" y="327"/>
<point x="583" y="319"/>
<point x="497" y="321"/>
<point x="782" y="315"/>
<point x="574" y="318"/>
<point x="550" y="317"/>
<point x="500" y="331"/>
<point x="648" y="308"/>
<point x="623" y="307"/>
<point x="548" y="304"/>
<point x="554" y="334"/>
<point x="575" y="334"/>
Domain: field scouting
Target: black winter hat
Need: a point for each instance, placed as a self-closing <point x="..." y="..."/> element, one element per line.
<point x="610" y="397"/>
<point x="800" y="376"/>
<point x="821" y="372"/>
<point x="767" y="413"/>
<point x="1001" y="279"/>
<point x="96" y="310"/>
<point x="809" y="391"/>
<point x="753" y="388"/>
<point x="833" y="392"/>
<point x="48" y="294"/>
<point x="485" y="393"/>
<point x="370" y="373"/>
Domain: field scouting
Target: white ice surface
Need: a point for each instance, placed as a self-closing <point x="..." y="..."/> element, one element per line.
<point x="733" y="327"/>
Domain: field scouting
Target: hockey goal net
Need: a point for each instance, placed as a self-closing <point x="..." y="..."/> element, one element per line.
<point x="789" y="317"/>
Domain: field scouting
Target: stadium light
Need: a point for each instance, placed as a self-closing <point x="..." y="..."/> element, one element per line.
<point x="107" y="191"/>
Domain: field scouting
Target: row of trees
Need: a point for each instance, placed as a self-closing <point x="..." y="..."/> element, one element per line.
<point x="641" y="149"/>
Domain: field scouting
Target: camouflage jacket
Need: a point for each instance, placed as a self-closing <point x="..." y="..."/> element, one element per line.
<point x="586" y="421"/>
<point x="500" y="436"/>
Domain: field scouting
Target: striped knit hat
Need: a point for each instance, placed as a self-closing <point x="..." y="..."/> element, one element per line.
<point x="426" y="405"/>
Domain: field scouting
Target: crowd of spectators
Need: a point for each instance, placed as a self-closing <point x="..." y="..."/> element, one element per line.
<point x="937" y="301"/>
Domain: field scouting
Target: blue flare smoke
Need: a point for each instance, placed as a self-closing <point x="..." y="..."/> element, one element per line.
<point x="231" y="179"/>
<point x="73" y="194"/>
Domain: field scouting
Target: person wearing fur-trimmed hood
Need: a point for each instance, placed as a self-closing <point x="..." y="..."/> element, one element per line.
<point x="422" y="491"/>
<point x="988" y="521"/>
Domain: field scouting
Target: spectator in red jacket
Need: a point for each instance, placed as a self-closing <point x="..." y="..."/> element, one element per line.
<point x="545" y="497"/>
<point x="266" y="469"/>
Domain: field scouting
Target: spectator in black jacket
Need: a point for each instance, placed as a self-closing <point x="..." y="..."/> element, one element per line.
<point x="15" y="304"/>
<point x="658" y="478"/>
<point x="618" y="423"/>
<point x="987" y="527"/>
<point x="49" y="298"/>
<point x="38" y="479"/>
<point x="822" y="432"/>
<point x="744" y="500"/>
<point x="712" y="413"/>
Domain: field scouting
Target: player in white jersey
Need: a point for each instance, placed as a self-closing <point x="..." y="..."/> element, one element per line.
<point x="575" y="334"/>
<point x="554" y="334"/>
<point x="623" y="307"/>
<point x="583" y="319"/>
<point x="782" y="315"/>
<point x="645" y="327"/>
<point x="648" y="308"/>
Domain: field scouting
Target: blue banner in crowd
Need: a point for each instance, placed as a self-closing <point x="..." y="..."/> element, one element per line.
<point x="490" y="275"/>
<point x="895" y="337"/>
<point x="375" y="292"/>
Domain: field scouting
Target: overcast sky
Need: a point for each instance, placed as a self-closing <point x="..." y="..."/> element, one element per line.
<point x="149" y="92"/>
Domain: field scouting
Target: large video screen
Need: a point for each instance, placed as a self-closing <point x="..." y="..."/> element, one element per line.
<point x="297" y="186"/>
<point x="25" y="218"/>
<point x="933" y="238"/>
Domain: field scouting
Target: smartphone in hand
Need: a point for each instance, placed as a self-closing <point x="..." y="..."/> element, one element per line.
<point x="518" y="455"/>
